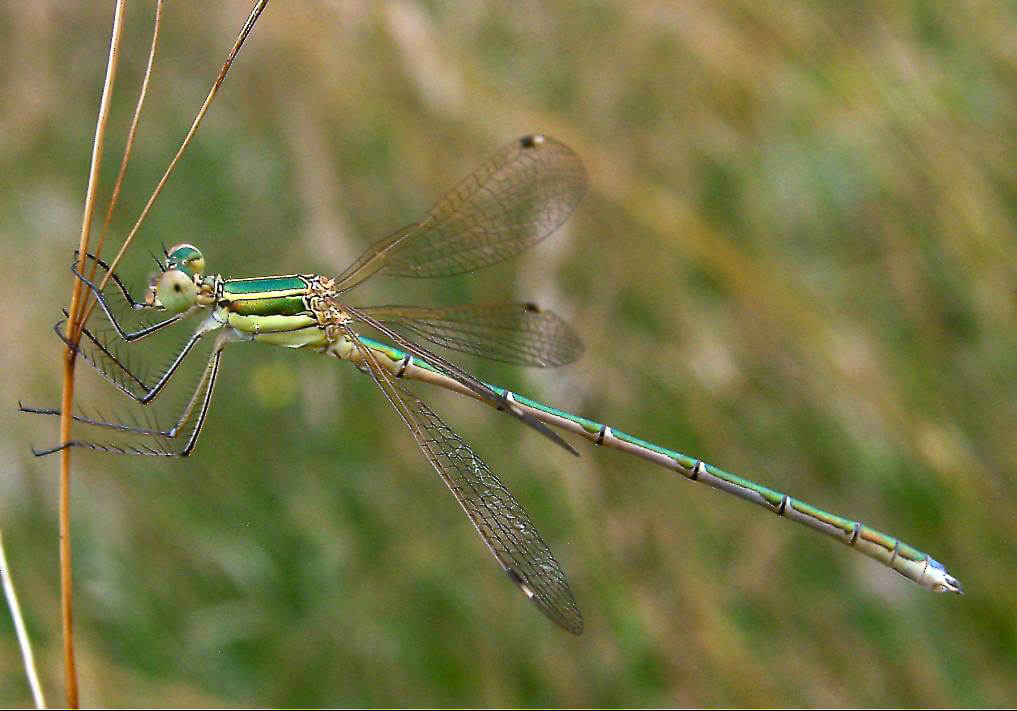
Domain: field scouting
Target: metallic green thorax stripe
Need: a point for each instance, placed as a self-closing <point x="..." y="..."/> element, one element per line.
<point x="266" y="286"/>
<point x="267" y="296"/>
<point x="268" y="305"/>
<point x="274" y="306"/>
<point x="902" y="557"/>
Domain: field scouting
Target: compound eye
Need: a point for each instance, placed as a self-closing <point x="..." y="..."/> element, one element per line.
<point x="187" y="258"/>
<point x="176" y="291"/>
<point x="195" y="264"/>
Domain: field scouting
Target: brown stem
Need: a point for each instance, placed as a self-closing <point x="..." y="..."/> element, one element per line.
<point x="128" y="147"/>
<point x="252" y="18"/>
<point x="77" y="314"/>
<point x="66" y="587"/>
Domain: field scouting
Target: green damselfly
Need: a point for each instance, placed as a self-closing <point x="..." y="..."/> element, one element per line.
<point x="517" y="198"/>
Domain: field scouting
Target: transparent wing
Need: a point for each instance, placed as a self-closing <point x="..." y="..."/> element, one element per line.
<point x="511" y="202"/>
<point x="502" y="523"/>
<point x="501" y="402"/>
<point x="522" y="334"/>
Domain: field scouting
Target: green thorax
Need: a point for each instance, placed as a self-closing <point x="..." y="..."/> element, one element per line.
<point x="266" y="296"/>
<point x="275" y="309"/>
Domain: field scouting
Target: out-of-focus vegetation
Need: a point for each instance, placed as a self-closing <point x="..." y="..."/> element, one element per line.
<point x="796" y="261"/>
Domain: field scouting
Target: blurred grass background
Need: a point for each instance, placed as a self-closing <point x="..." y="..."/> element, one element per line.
<point x="796" y="261"/>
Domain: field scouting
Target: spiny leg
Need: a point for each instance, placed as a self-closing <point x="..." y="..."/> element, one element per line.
<point x="101" y="350"/>
<point x="200" y="400"/>
<point x="500" y="520"/>
<point x="104" y="356"/>
<point x="118" y="287"/>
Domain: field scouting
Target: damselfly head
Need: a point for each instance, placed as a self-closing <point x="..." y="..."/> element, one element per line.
<point x="187" y="258"/>
<point x="176" y="291"/>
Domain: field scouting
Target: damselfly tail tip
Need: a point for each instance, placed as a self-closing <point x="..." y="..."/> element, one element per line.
<point x="940" y="580"/>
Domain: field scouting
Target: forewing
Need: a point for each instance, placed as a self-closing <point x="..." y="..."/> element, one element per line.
<point x="511" y="202"/>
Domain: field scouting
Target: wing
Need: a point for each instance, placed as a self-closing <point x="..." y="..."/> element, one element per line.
<point x="514" y="200"/>
<point x="522" y="334"/>
<point x="499" y="519"/>
<point x="501" y="402"/>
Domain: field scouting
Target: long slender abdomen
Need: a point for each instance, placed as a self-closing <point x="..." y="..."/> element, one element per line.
<point x="892" y="552"/>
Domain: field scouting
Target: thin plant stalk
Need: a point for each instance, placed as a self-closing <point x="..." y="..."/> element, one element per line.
<point x="67" y="397"/>
<point x="128" y="147"/>
<point x="19" y="629"/>
<point x="252" y="18"/>
<point x="79" y="310"/>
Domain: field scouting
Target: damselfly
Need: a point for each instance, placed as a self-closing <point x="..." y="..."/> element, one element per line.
<point x="514" y="200"/>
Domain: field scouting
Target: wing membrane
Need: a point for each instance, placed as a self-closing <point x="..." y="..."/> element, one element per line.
<point x="501" y="522"/>
<point x="522" y="334"/>
<point x="500" y="402"/>
<point x="514" y="200"/>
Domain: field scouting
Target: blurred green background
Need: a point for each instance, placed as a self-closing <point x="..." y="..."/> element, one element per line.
<point x="796" y="261"/>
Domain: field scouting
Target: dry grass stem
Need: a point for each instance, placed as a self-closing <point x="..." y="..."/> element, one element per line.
<point x="67" y="398"/>
<point x="79" y="310"/>
<point x="128" y="147"/>
<point x="244" y="32"/>
<point x="19" y="628"/>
